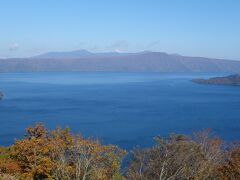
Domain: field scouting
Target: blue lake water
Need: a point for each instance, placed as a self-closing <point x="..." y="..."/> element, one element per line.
<point x="126" y="109"/>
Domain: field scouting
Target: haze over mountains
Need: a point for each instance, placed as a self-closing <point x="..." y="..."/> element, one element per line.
<point x="77" y="54"/>
<point x="146" y="61"/>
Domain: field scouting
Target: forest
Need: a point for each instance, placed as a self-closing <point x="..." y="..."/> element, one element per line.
<point x="59" y="154"/>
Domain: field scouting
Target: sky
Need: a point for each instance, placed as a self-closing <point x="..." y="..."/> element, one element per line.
<point x="207" y="28"/>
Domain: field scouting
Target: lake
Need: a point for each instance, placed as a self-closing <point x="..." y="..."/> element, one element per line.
<point x="127" y="109"/>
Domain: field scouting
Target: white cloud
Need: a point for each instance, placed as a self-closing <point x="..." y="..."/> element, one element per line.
<point x="14" y="47"/>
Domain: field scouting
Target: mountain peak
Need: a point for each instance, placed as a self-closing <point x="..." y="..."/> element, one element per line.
<point x="62" y="55"/>
<point x="81" y="53"/>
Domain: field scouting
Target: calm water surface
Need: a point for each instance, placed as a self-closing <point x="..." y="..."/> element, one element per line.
<point x="126" y="109"/>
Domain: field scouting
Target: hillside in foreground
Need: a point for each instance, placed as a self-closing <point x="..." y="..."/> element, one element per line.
<point x="58" y="154"/>
<point x="112" y="61"/>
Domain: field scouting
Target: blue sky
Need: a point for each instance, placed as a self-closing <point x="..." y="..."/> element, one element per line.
<point x="209" y="28"/>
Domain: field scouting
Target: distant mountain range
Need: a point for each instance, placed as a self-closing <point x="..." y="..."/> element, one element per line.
<point x="77" y="54"/>
<point x="146" y="61"/>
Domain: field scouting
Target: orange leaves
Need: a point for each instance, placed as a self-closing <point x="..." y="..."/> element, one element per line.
<point x="58" y="154"/>
<point x="8" y="165"/>
<point x="230" y="169"/>
<point x="32" y="155"/>
<point x="37" y="131"/>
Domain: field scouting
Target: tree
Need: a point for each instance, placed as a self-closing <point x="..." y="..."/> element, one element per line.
<point x="58" y="154"/>
<point x="230" y="168"/>
<point x="7" y="164"/>
<point x="177" y="157"/>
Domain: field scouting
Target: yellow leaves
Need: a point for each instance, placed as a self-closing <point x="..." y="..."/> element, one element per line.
<point x="58" y="154"/>
<point x="37" y="131"/>
<point x="178" y="157"/>
<point x="231" y="168"/>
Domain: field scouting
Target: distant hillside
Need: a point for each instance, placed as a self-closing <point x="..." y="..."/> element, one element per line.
<point x="77" y="54"/>
<point x="233" y="80"/>
<point x="140" y="62"/>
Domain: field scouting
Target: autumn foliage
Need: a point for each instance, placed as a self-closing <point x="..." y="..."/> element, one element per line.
<point x="60" y="155"/>
<point x="199" y="156"/>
